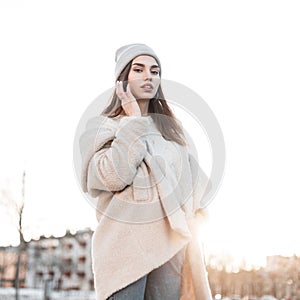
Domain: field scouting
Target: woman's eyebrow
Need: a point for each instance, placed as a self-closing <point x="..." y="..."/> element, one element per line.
<point x="142" y="65"/>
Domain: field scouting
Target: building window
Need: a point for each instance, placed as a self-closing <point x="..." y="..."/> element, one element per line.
<point x="82" y="259"/>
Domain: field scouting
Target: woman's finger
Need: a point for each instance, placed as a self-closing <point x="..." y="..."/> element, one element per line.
<point x="128" y="101"/>
<point x="120" y="91"/>
<point x="128" y="91"/>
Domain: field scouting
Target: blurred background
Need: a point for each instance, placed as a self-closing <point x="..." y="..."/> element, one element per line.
<point x="241" y="57"/>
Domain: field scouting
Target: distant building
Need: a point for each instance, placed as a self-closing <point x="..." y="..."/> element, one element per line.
<point x="283" y="263"/>
<point x="64" y="263"/>
<point x="8" y="261"/>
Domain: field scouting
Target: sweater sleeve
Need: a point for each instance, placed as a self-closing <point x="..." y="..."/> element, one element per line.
<point x="114" y="167"/>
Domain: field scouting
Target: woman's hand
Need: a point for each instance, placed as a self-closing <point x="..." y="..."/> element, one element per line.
<point x="128" y="102"/>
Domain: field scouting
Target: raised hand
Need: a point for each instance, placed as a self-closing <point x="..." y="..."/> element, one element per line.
<point x="128" y="101"/>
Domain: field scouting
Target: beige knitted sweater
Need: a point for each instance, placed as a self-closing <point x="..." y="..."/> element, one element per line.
<point x="148" y="193"/>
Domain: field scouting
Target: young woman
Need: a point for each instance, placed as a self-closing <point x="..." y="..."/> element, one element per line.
<point x="148" y="188"/>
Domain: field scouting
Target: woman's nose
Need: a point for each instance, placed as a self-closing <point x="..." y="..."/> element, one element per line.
<point x="147" y="75"/>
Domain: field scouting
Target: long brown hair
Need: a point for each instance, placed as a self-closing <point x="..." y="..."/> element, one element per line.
<point x="168" y="126"/>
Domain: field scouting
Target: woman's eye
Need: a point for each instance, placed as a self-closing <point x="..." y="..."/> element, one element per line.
<point x="138" y="70"/>
<point x="155" y="72"/>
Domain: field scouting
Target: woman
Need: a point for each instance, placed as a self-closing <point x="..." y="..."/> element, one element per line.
<point x="149" y="190"/>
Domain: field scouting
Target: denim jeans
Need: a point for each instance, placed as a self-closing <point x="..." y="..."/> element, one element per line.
<point x="161" y="283"/>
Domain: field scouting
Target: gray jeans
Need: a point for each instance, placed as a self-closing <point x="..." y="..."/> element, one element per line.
<point x="161" y="283"/>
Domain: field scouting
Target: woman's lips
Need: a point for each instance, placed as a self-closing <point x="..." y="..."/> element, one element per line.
<point x="147" y="86"/>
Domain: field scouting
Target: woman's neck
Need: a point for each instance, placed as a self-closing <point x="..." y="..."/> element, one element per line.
<point x="143" y="104"/>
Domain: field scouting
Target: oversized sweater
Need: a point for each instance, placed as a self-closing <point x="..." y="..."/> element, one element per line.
<point x="147" y="192"/>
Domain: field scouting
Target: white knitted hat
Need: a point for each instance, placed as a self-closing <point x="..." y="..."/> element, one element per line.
<point x="128" y="52"/>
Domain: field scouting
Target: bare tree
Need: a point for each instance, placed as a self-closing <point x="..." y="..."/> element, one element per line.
<point x="16" y="209"/>
<point x="20" y="209"/>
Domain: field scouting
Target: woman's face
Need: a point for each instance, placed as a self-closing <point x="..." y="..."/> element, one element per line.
<point x="143" y="77"/>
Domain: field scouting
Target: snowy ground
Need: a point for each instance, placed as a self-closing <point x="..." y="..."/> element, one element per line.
<point x="34" y="294"/>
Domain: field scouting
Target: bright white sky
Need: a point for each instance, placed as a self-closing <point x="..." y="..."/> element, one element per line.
<point x="241" y="57"/>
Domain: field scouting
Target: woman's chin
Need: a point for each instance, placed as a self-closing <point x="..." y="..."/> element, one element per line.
<point x="145" y="96"/>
